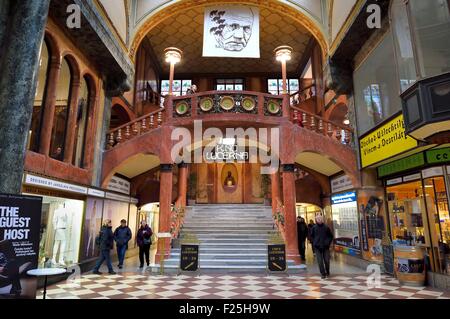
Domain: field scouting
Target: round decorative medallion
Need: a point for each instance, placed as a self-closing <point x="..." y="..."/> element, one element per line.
<point x="248" y="104"/>
<point x="227" y="103"/>
<point x="182" y="107"/>
<point x="273" y="107"/>
<point x="206" y="104"/>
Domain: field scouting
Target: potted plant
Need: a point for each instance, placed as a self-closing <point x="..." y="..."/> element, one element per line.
<point x="192" y="189"/>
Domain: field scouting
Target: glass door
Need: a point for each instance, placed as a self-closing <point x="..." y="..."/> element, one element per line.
<point x="437" y="205"/>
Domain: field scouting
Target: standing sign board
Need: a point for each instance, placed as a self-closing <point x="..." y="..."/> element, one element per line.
<point x="388" y="259"/>
<point x="20" y="221"/>
<point x="189" y="258"/>
<point x="277" y="257"/>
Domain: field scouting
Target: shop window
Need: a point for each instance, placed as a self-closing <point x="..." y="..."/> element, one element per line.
<point x="61" y="112"/>
<point x="407" y="213"/>
<point x="346" y="222"/>
<point x="179" y="87"/>
<point x="376" y="87"/>
<point x="39" y="99"/>
<point x="275" y="86"/>
<point x="229" y="85"/>
<point x="82" y="119"/>
<point x="61" y="222"/>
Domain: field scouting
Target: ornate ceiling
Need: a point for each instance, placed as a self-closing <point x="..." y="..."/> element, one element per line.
<point x="185" y="31"/>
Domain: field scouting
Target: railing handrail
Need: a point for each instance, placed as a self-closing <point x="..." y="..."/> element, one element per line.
<point x="302" y="90"/>
<point x="200" y="94"/>
<point x="135" y="120"/>
<point x="321" y="118"/>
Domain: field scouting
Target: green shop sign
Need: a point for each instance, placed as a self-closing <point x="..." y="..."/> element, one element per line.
<point x="441" y="155"/>
<point x="404" y="164"/>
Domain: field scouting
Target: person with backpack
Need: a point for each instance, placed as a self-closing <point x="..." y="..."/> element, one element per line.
<point x="122" y="235"/>
<point x="322" y="238"/>
<point x="105" y="242"/>
<point x="144" y="241"/>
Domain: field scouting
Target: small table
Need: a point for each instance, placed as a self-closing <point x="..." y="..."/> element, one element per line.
<point x="46" y="272"/>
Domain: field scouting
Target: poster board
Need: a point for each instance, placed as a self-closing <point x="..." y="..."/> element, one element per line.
<point x="20" y="222"/>
<point x="189" y="258"/>
<point x="276" y="255"/>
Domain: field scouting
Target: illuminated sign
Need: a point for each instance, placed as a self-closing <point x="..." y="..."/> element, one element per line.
<point x="343" y="198"/>
<point x="387" y="141"/>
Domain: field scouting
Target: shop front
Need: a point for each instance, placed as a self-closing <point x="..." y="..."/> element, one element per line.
<point x="71" y="218"/>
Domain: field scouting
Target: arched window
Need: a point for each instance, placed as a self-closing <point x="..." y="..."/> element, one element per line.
<point x="39" y="99"/>
<point x="82" y="119"/>
<point x="61" y="112"/>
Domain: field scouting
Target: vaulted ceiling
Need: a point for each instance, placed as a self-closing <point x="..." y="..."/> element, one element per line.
<point x="185" y="31"/>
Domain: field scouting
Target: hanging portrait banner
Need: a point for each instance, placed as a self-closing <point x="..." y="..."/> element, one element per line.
<point x="231" y="31"/>
<point x="20" y="224"/>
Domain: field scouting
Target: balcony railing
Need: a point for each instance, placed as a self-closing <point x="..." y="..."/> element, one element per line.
<point x="134" y="128"/>
<point x="321" y="126"/>
<point x="303" y="95"/>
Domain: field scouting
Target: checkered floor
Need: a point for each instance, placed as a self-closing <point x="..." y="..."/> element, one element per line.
<point x="148" y="286"/>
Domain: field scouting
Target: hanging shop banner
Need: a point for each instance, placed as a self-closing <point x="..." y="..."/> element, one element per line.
<point x="231" y="31"/>
<point x="189" y="258"/>
<point x="20" y="222"/>
<point x="384" y="142"/>
<point x="277" y="257"/>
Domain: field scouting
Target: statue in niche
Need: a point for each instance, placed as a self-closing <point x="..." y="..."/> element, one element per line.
<point x="229" y="180"/>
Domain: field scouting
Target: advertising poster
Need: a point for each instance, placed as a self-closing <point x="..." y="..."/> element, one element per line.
<point x="93" y="222"/>
<point x="372" y="223"/>
<point x="231" y="31"/>
<point x="20" y="221"/>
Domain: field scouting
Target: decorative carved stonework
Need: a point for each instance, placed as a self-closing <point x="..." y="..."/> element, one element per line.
<point x="273" y="107"/>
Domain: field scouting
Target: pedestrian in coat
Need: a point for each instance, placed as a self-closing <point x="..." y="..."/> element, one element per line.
<point x="144" y="241"/>
<point x="322" y="238"/>
<point x="302" y="234"/>
<point x="105" y="241"/>
<point x="122" y="235"/>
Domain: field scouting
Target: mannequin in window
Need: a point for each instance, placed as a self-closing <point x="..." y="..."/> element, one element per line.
<point x="60" y="224"/>
<point x="93" y="230"/>
<point x="229" y="180"/>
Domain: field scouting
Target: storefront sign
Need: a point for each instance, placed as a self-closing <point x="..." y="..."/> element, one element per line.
<point x="96" y="192"/>
<point x="49" y="183"/>
<point x="117" y="197"/>
<point x="433" y="171"/>
<point x="394" y="181"/>
<point x="20" y="221"/>
<point x="341" y="183"/>
<point x="343" y="198"/>
<point x="438" y="156"/>
<point x="404" y="164"/>
<point x="387" y="141"/>
<point x="412" y="177"/>
<point x="277" y="257"/>
<point x="119" y="185"/>
<point x="189" y="258"/>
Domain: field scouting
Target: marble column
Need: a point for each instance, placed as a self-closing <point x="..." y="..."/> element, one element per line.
<point x="49" y="106"/>
<point x="290" y="225"/>
<point x="19" y="64"/>
<point x="165" y="201"/>
<point x="72" y="121"/>
<point x="182" y="184"/>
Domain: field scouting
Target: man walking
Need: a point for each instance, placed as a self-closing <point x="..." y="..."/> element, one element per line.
<point x="105" y="241"/>
<point x="302" y="234"/>
<point x="122" y="235"/>
<point x="321" y="238"/>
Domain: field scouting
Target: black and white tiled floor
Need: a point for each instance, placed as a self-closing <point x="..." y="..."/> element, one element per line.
<point x="216" y="286"/>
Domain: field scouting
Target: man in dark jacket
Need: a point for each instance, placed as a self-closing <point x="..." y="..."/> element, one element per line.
<point x="302" y="234"/>
<point x="144" y="241"/>
<point x="321" y="238"/>
<point x="106" y="243"/>
<point x="122" y="235"/>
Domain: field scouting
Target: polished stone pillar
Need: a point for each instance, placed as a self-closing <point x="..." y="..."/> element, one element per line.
<point x="49" y="106"/>
<point x="165" y="201"/>
<point x="290" y="224"/>
<point x="18" y="65"/>
<point x="182" y="184"/>
<point x="69" y="146"/>
<point x="275" y="185"/>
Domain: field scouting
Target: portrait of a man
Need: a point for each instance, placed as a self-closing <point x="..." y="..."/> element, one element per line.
<point x="231" y="31"/>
